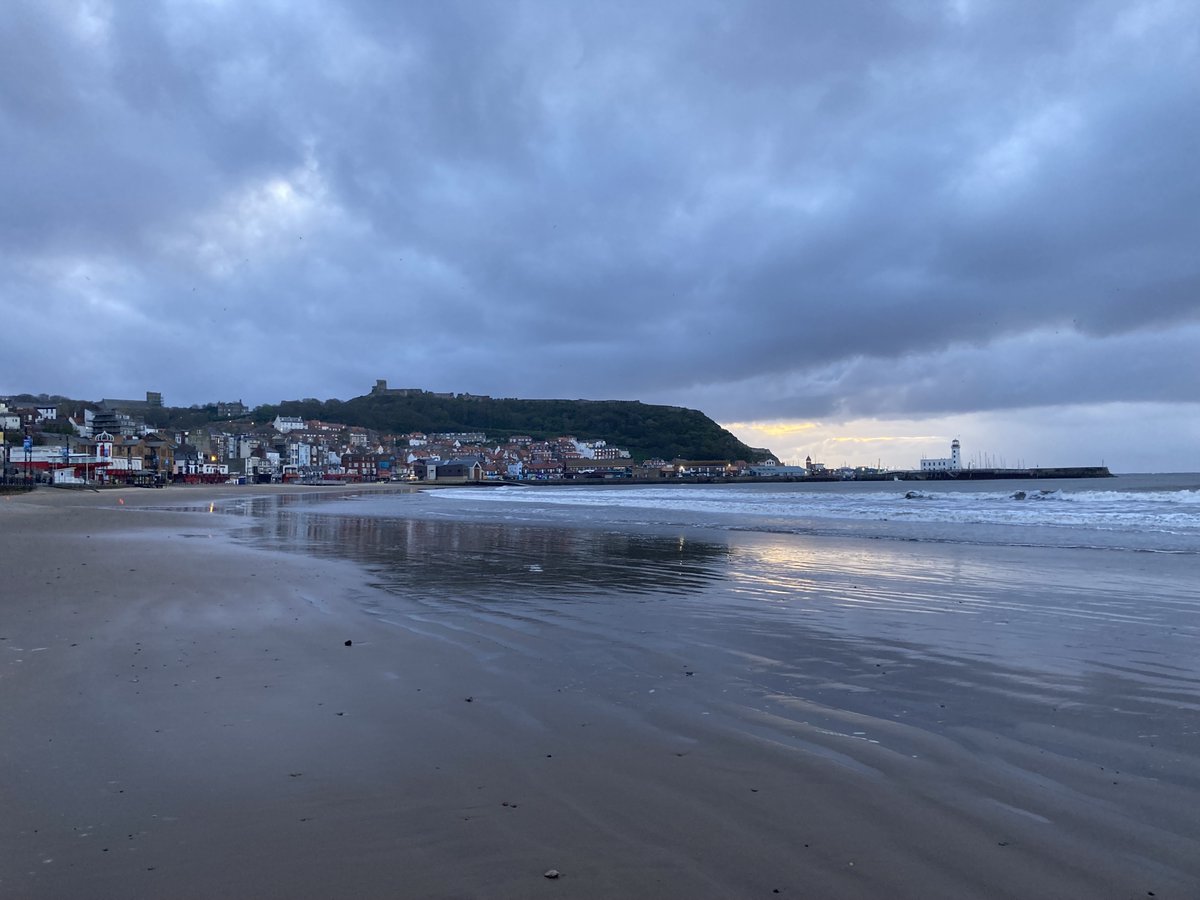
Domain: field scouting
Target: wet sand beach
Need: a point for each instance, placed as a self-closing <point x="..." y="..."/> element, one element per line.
<point x="248" y="703"/>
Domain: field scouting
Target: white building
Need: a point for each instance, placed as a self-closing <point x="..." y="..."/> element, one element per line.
<point x="774" y="470"/>
<point x="284" y="424"/>
<point x="952" y="463"/>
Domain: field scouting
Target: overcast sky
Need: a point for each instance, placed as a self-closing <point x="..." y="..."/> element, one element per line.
<point x="852" y="230"/>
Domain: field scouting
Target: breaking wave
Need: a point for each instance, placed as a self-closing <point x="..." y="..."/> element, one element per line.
<point x="1141" y="519"/>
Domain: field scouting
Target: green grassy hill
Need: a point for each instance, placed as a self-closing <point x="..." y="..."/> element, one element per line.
<point x="645" y="430"/>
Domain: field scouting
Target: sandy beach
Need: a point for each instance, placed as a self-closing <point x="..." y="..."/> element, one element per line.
<point x="188" y="713"/>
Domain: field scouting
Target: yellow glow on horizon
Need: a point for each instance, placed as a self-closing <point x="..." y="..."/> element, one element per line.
<point x="774" y="429"/>
<point x="825" y="433"/>
<point x="884" y="439"/>
<point x="891" y="443"/>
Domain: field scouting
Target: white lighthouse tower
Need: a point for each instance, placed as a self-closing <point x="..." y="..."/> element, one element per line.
<point x="955" y="456"/>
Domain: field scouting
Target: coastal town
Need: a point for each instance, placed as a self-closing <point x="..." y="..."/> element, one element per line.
<point x="114" y="442"/>
<point x="49" y="440"/>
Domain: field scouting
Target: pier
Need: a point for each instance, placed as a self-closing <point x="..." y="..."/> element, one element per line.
<point x="993" y="474"/>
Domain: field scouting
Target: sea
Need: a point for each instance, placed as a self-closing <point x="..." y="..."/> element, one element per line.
<point x="1149" y="513"/>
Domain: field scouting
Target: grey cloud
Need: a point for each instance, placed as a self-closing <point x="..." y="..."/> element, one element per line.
<point x="1045" y="368"/>
<point x="767" y="206"/>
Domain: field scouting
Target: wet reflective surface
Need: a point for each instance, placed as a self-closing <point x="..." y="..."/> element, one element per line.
<point x="1102" y="641"/>
<point x="353" y="695"/>
<point x="942" y="703"/>
<point x="485" y="561"/>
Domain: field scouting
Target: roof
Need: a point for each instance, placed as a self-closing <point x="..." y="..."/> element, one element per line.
<point x="462" y="461"/>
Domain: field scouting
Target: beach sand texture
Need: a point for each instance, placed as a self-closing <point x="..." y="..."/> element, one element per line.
<point x="189" y="710"/>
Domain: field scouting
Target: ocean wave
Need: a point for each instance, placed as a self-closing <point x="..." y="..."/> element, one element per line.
<point x="1173" y="515"/>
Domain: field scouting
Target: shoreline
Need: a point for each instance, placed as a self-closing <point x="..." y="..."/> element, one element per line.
<point x="187" y="720"/>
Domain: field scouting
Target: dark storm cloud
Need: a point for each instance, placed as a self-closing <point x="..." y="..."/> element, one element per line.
<point x="1044" y="368"/>
<point x="786" y="209"/>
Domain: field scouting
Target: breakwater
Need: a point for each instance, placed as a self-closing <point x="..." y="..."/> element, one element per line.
<point x="998" y="474"/>
<point x="824" y="477"/>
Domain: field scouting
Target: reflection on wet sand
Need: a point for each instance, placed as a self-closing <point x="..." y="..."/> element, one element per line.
<point x="1045" y="626"/>
<point x="486" y="561"/>
<point x="866" y="655"/>
<point x="998" y="682"/>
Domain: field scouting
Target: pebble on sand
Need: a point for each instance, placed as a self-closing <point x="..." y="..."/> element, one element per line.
<point x="551" y="873"/>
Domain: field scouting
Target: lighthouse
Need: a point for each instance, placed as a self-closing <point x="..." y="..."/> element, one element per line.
<point x="951" y="463"/>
